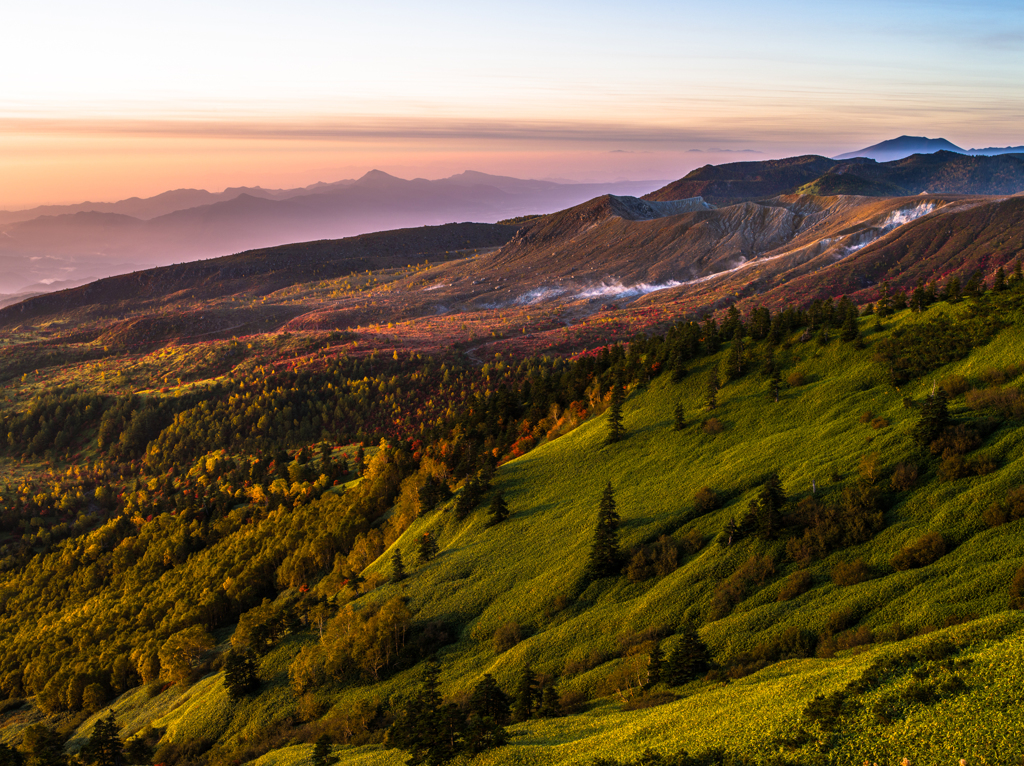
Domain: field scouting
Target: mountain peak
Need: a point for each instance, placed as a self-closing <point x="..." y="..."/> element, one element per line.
<point x="904" y="146"/>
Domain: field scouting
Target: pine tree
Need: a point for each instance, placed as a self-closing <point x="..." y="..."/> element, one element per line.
<point x="733" y="533"/>
<point x="488" y="713"/>
<point x="240" y="674"/>
<point x="431" y="731"/>
<point x="711" y="400"/>
<point x="850" y="331"/>
<point x="735" y="362"/>
<point x="427" y="548"/>
<point x="679" y="418"/>
<point x="884" y="306"/>
<point x="499" y="508"/>
<point x="550" y="704"/>
<point x="1016" y="278"/>
<point x="690" y="659"/>
<point x="934" y="418"/>
<point x="767" y="507"/>
<point x="9" y="756"/>
<point x="397" y="567"/>
<point x="105" y="746"/>
<point x="654" y="667"/>
<point x="999" y="283"/>
<point x="322" y="751"/>
<point x="615" y="428"/>
<point x="605" y="557"/>
<point x="138" y="751"/>
<point x="468" y="498"/>
<point x="526" y="696"/>
<point x="775" y="386"/>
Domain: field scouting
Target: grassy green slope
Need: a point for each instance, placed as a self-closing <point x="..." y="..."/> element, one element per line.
<point x="518" y="570"/>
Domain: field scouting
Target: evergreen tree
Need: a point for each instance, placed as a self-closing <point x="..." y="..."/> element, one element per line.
<point x="322" y="751"/>
<point x="679" y="418"/>
<point x="605" y="557"/>
<point x="489" y="701"/>
<point x="679" y="366"/>
<point x="104" y="747"/>
<point x="711" y="399"/>
<point x="615" y="428"/>
<point x="884" y="306"/>
<point x="468" y="498"/>
<point x="397" y="567"/>
<point x="526" y="696"/>
<point x="934" y="418"/>
<point x="735" y="362"/>
<point x="690" y="659"/>
<point x="137" y="751"/>
<point x="767" y="507"/>
<point x="654" y="667"/>
<point x="9" y="756"/>
<point x="427" y="548"/>
<point x="360" y="460"/>
<point x="775" y="386"/>
<point x="1016" y="278"/>
<point x="550" y="705"/>
<point x="850" y="331"/>
<point x="429" y="730"/>
<point x="999" y="283"/>
<point x="240" y="674"/>
<point x="499" y="508"/>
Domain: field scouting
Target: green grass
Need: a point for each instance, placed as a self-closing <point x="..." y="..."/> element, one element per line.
<point x="485" y="576"/>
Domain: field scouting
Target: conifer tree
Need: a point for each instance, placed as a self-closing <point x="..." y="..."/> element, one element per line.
<point x="9" y="756"/>
<point x="999" y="283"/>
<point x="488" y="714"/>
<point x="735" y="362"/>
<point x="322" y="751"/>
<point x="850" y="331"/>
<point x="711" y="399"/>
<point x="397" y="567"/>
<point x="425" y="727"/>
<point x="767" y="507"/>
<point x="733" y="533"/>
<point x="499" y="508"/>
<point x="427" y="548"/>
<point x="44" y="745"/>
<point x="550" y="705"/>
<point x="605" y="557"/>
<point x="689" y="660"/>
<point x="1016" y="278"/>
<point x="240" y="674"/>
<point x="615" y="428"/>
<point x="105" y="746"/>
<point x="934" y="418"/>
<point x="526" y="696"/>
<point x="654" y="667"/>
<point x="775" y="386"/>
<point x="884" y="306"/>
<point x="137" y="751"/>
<point x="468" y="498"/>
<point x="679" y="418"/>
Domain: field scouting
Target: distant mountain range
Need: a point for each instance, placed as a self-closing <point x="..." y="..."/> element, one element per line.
<point x="943" y="172"/>
<point x="905" y="146"/>
<point x="93" y="240"/>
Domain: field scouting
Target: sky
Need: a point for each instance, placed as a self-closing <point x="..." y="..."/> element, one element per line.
<point x="105" y="100"/>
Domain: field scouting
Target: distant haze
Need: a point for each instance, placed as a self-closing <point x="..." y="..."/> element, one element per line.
<point x="108" y="100"/>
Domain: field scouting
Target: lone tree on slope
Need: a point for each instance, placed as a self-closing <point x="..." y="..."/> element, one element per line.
<point x="615" y="428"/>
<point x="605" y="556"/>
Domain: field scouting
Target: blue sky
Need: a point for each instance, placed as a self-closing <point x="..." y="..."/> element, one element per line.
<point x="533" y="88"/>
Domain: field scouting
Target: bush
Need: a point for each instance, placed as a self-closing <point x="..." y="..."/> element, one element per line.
<point x="732" y="590"/>
<point x="959" y="440"/>
<point x="692" y="541"/>
<point x="712" y="426"/>
<point x="796" y="378"/>
<point x="506" y="636"/>
<point x="904" y="477"/>
<point x="1017" y="589"/>
<point x="1008" y="402"/>
<point x="1010" y="509"/>
<point x="796" y="584"/>
<point x="954" y="385"/>
<point x="847" y="573"/>
<point x="706" y="500"/>
<point x="927" y="549"/>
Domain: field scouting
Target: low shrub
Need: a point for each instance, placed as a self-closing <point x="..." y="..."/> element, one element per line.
<point x="796" y="584"/>
<point x="506" y="636"/>
<point x="847" y="573"/>
<point x="926" y="549"/>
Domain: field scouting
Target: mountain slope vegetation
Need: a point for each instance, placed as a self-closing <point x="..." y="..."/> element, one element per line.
<point x="839" y="530"/>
